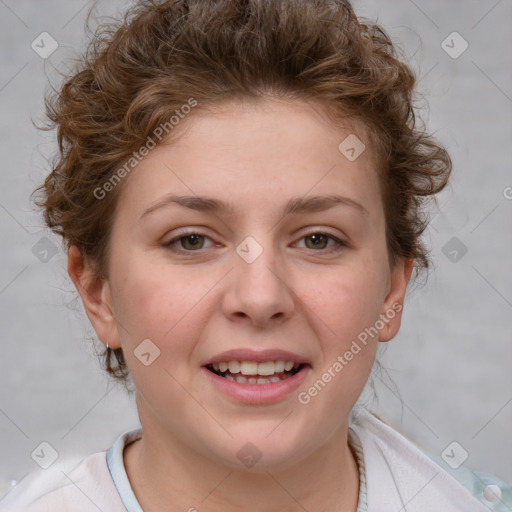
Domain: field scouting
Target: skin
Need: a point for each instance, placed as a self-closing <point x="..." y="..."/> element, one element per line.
<point x="295" y="296"/>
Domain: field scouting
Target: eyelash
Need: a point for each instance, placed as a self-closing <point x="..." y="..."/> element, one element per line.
<point x="340" y="244"/>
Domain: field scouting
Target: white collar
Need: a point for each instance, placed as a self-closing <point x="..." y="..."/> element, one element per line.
<point x="400" y="477"/>
<point x="395" y="475"/>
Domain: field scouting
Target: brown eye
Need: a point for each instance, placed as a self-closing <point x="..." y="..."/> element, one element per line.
<point x="319" y="241"/>
<point x="188" y="242"/>
<point x="192" y="241"/>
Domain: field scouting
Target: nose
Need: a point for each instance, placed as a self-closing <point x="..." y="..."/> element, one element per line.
<point x="259" y="292"/>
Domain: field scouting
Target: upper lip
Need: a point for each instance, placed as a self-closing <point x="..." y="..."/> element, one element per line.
<point x="260" y="356"/>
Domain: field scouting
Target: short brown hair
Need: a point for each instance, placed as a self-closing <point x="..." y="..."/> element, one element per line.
<point x="138" y="71"/>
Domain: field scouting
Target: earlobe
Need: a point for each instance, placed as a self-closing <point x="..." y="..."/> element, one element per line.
<point x="96" y="297"/>
<point x="393" y="304"/>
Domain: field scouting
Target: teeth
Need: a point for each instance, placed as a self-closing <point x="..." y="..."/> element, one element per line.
<point x="279" y="366"/>
<point x="234" y="366"/>
<point x="266" y="368"/>
<point x="248" y="367"/>
<point x="242" y="379"/>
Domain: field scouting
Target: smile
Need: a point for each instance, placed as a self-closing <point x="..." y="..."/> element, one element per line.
<point x="255" y="389"/>
<point x="255" y="373"/>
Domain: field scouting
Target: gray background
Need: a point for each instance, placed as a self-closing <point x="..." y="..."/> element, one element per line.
<point x="448" y="371"/>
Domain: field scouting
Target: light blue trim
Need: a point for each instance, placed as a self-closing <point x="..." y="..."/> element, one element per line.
<point x="117" y="470"/>
<point x="355" y="444"/>
<point x="476" y="482"/>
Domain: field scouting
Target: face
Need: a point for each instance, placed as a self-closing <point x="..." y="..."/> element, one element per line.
<point x="250" y="309"/>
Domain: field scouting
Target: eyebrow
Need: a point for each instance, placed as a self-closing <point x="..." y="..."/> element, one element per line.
<point x="295" y="205"/>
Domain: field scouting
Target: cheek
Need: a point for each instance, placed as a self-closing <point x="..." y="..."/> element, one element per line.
<point x="159" y="302"/>
<point x="168" y="309"/>
<point x="349" y="298"/>
<point x="346" y="306"/>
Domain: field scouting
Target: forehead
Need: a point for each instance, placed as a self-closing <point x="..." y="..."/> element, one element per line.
<point x="257" y="150"/>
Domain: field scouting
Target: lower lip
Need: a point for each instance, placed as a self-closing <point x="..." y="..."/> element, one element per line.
<point x="254" y="394"/>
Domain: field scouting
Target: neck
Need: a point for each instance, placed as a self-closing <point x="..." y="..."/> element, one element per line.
<point x="164" y="471"/>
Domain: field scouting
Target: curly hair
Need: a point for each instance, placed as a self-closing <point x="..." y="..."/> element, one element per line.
<point x="139" y="70"/>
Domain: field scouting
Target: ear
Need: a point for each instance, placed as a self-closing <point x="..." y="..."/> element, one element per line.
<point x="393" y="304"/>
<point x="96" y="297"/>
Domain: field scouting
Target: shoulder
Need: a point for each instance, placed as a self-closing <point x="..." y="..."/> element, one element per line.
<point x="489" y="489"/>
<point x="87" y="486"/>
<point x="400" y="473"/>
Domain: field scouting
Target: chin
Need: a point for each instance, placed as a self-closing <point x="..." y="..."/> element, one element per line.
<point x="263" y="451"/>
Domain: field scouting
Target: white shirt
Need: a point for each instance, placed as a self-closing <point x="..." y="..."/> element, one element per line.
<point x="395" y="476"/>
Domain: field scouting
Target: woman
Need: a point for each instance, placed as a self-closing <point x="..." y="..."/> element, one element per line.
<point x="241" y="188"/>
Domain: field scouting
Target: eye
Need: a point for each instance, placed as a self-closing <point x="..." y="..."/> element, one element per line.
<point x="319" y="239"/>
<point x="189" y="242"/>
<point x="193" y="241"/>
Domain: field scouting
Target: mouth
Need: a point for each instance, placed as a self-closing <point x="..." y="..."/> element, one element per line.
<point x="254" y="377"/>
<point x="256" y="373"/>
